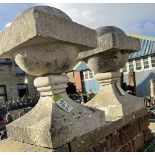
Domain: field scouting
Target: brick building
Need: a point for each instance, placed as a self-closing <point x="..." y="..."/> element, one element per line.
<point x="14" y="82"/>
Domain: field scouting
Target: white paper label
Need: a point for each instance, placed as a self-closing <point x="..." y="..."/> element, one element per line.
<point x="64" y="105"/>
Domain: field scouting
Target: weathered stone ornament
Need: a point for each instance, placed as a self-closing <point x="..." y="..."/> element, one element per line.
<point x="106" y="60"/>
<point x="45" y="42"/>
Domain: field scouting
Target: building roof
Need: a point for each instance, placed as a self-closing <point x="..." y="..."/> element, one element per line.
<point x="80" y="66"/>
<point x="147" y="46"/>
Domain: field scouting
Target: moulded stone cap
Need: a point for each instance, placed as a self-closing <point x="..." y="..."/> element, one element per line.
<point x="110" y="38"/>
<point x="42" y="24"/>
<point x="109" y="29"/>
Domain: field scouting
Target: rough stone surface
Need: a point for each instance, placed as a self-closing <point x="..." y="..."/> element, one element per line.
<point x="129" y="131"/>
<point x="114" y="142"/>
<point x="47" y="58"/>
<point x="8" y="145"/>
<point x="39" y="39"/>
<point x="81" y="143"/>
<point x="109" y="29"/>
<point x="47" y="125"/>
<point x="111" y="54"/>
<point x="45" y="42"/>
<point x="138" y="142"/>
<point x="143" y="123"/>
<point x="147" y="135"/>
<point x="113" y="103"/>
<point x="110" y="138"/>
<point x="113" y="47"/>
<point x="129" y="147"/>
<point x="42" y="24"/>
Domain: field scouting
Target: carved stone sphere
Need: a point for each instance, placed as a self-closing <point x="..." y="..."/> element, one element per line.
<point x="109" y="29"/>
<point x="47" y="58"/>
<point x="109" y="60"/>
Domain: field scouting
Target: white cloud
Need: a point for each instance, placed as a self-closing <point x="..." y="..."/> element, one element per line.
<point x="8" y="25"/>
<point x="136" y="28"/>
<point x="132" y="18"/>
<point x="149" y="28"/>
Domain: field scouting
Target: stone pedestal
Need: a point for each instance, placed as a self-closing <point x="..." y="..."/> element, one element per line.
<point x="112" y="99"/>
<point x="45" y="42"/>
<point x="106" y="60"/>
<point x="56" y="119"/>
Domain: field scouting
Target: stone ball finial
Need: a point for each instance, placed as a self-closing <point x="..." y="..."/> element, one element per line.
<point x="44" y="40"/>
<point x="112" y="52"/>
<point x="47" y="9"/>
<point x="109" y="29"/>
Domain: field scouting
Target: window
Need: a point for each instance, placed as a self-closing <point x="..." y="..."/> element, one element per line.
<point x="3" y="95"/>
<point x="2" y="60"/>
<point x="131" y="67"/>
<point x="88" y="74"/>
<point x="146" y="63"/>
<point x="124" y="69"/>
<point x="22" y="89"/>
<point x="138" y="65"/>
<point x="91" y="74"/>
<point x="18" y="70"/>
<point x="153" y="61"/>
<point x="5" y="61"/>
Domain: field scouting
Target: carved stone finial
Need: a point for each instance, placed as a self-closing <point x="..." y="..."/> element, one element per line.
<point x="110" y="55"/>
<point x="45" y="42"/>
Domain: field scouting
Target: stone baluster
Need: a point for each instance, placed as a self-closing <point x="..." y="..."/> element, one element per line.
<point x="45" y="42"/>
<point x="106" y="60"/>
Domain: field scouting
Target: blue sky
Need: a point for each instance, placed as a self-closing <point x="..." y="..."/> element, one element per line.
<point x="8" y="12"/>
<point x="132" y="18"/>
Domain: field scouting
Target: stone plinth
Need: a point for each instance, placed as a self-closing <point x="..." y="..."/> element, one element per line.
<point x="50" y="124"/>
<point x="45" y="42"/>
<point x="15" y="146"/>
<point x="119" y="134"/>
<point x="106" y="60"/>
<point x="112" y="99"/>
